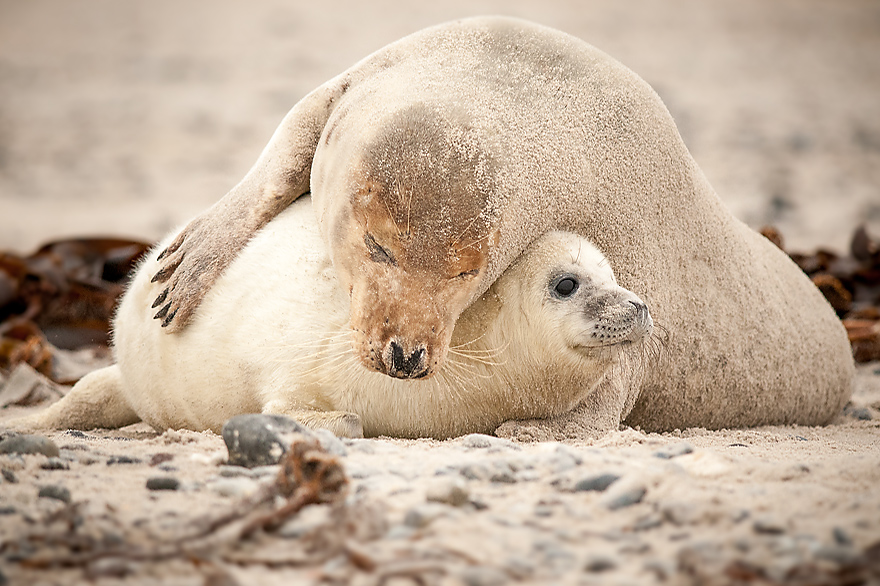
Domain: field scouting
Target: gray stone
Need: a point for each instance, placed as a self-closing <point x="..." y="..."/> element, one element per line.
<point x="596" y="482"/>
<point x="624" y="498"/>
<point x="842" y="555"/>
<point x="674" y="450"/>
<point x="113" y="460"/>
<point x="647" y="522"/>
<point x="234" y="487"/>
<point x="55" y="491"/>
<point x="481" y="441"/>
<point x="483" y="576"/>
<point x="29" y="444"/>
<point x="331" y="444"/>
<point x="257" y="439"/>
<point x="768" y="526"/>
<point x="55" y="464"/>
<point x="9" y="476"/>
<point x="841" y="537"/>
<point x="163" y="483"/>
<point x="423" y="515"/>
<point x="599" y="563"/>
<point x="449" y="490"/>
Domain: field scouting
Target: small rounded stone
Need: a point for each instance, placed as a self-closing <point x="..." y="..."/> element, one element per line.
<point x="55" y="491"/>
<point x="163" y="483"/>
<point x="29" y="444"/>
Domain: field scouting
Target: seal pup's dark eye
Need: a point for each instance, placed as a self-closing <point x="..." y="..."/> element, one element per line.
<point x="377" y="252"/>
<point x="565" y="286"/>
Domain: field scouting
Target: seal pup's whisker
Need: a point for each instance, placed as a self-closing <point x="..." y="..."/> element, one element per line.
<point x="481" y="360"/>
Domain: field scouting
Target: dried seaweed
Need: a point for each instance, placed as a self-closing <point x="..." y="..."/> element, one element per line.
<point x="62" y="296"/>
<point x="851" y="284"/>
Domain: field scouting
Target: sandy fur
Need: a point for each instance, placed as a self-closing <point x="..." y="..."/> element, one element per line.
<point x="273" y="336"/>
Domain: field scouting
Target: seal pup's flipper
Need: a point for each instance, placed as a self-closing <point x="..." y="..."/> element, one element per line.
<point x="191" y="264"/>
<point x="340" y="423"/>
<point x="96" y="401"/>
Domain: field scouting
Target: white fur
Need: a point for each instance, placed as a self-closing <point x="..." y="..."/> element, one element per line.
<point x="272" y="335"/>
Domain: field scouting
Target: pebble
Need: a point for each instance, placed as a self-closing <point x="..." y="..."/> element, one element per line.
<point x="55" y="464"/>
<point x="842" y="555"/>
<point x="331" y="444"/>
<point x="9" y="476"/>
<point x="29" y="444"/>
<point x="113" y="460"/>
<point x="449" y="490"/>
<point x="841" y="537"/>
<point x="423" y="515"/>
<point x="258" y="439"/>
<point x="674" y="450"/>
<point x="596" y="482"/>
<point x="481" y="441"/>
<point x="55" y="491"/>
<point x="483" y="576"/>
<point x="7" y="510"/>
<point x="234" y="487"/>
<point x="599" y="563"/>
<point x="768" y="526"/>
<point x="624" y="498"/>
<point x="163" y="483"/>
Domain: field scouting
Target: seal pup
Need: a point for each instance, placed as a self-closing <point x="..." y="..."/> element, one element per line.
<point x="425" y="198"/>
<point x="273" y="336"/>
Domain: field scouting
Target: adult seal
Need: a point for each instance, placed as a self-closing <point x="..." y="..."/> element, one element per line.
<point x="436" y="161"/>
<point x="283" y="348"/>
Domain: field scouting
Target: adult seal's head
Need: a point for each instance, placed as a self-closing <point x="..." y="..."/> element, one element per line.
<point x="411" y="225"/>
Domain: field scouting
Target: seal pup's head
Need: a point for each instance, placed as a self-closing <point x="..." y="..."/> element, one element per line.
<point x="567" y="294"/>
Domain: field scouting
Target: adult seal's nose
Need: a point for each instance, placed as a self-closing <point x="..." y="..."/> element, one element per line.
<point x="401" y="365"/>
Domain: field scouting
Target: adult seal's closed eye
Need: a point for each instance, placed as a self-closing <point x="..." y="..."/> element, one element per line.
<point x="425" y="198"/>
<point x="284" y="347"/>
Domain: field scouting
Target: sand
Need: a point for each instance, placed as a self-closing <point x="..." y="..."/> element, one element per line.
<point x="127" y="118"/>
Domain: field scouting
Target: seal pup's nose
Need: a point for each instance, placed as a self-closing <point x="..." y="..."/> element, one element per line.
<point x="644" y="323"/>
<point x="402" y="366"/>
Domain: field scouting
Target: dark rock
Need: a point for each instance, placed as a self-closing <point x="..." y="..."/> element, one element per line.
<point x="841" y="537"/>
<point x="257" y="439"/>
<point x="674" y="450"/>
<point x="29" y="444"/>
<point x="9" y="476"/>
<point x="7" y="510"/>
<point x="55" y="491"/>
<point x="600" y="563"/>
<point x="122" y="460"/>
<point x="163" y="483"/>
<point x="596" y="483"/>
<point x="55" y="464"/>
<point x="768" y="526"/>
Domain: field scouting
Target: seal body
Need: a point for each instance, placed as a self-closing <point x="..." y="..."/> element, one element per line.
<point x="273" y="336"/>
<point x="425" y="198"/>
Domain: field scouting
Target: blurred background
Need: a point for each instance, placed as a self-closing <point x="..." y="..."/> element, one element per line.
<point x="126" y="118"/>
